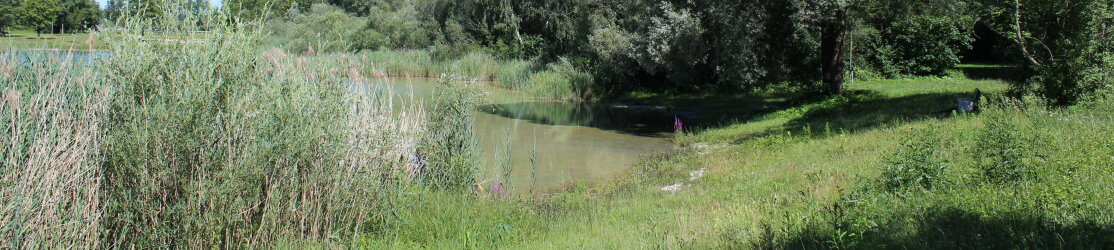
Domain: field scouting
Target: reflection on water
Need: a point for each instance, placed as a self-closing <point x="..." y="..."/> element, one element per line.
<point x="554" y="144"/>
<point x="641" y="121"/>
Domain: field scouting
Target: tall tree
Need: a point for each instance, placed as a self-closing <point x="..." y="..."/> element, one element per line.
<point x="1065" y="44"/>
<point x="832" y="17"/>
<point x="8" y="17"/>
<point x="77" y="15"/>
<point x="39" y="15"/>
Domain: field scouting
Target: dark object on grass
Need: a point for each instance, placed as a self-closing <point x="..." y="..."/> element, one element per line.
<point x="969" y="105"/>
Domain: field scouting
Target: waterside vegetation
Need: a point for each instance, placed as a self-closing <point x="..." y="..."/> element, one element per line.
<point x="238" y="129"/>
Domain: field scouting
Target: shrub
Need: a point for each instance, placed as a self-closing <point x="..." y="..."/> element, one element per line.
<point x="918" y="163"/>
<point x="325" y="28"/>
<point x="1009" y="150"/>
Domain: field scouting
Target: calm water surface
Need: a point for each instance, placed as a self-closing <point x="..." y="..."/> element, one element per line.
<point x="569" y="142"/>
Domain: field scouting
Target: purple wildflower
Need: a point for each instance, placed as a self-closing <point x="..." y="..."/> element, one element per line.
<point x="677" y="126"/>
<point x="497" y="189"/>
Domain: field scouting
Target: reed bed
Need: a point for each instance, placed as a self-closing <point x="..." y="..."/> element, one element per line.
<point x="207" y="143"/>
<point x="50" y="176"/>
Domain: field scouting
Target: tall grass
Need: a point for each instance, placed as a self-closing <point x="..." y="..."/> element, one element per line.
<point x="449" y="149"/>
<point x="562" y="81"/>
<point x="50" y="177"/>
<point x="199" y="143"/>
<point x="515" y="74"/>
<point x="410" y="63"/>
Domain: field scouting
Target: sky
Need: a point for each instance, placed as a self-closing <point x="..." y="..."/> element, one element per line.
<point x="215" y="3"/>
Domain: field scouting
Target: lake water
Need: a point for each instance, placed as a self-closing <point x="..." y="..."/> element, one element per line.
<point x="569" y="142"/>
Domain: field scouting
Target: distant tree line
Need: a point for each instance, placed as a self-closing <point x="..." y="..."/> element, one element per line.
<point x="45" y="16"/>
<point x="1063" y="47"/>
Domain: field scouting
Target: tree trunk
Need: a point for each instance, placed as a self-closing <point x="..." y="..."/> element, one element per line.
<point x="833" y="37"/>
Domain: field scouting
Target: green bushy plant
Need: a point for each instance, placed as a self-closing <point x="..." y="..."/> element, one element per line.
<point x="1009" y="149"/>
<point x="196" y="142"/>
<point x="919" y="163"/>
<point x="325" y="28"/>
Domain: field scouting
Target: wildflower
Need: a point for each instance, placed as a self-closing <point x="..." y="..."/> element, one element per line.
<point x="677" y="126"/>
<point x="497" y="189"/>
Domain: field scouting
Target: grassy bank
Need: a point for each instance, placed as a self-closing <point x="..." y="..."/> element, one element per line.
<point x="886" y="165"/>
<point x="29" y="40"/>
<point x="220" y="143"/>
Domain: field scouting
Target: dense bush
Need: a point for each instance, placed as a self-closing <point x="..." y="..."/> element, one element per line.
<point x="323" y="29"/>
<point x="1066" y="47"/>
<point x="919" y="164"/>
<point x="918" y="45"/>
<point x="1008" y="152"/>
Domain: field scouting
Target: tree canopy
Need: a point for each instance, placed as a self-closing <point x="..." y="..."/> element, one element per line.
<point x="49" y="15"/>
<point x="742" y="44"/>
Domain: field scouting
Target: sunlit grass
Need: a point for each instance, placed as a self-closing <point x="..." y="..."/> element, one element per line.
<point x="784" y="180"/>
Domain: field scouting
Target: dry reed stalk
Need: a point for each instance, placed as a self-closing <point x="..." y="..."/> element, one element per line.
<point x="51" y="194"/>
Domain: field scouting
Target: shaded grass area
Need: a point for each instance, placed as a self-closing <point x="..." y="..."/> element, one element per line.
<point x="886" y="166"/>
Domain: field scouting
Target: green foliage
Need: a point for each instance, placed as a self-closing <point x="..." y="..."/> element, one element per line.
<point x="78" y="15"/>
<point x="255" y="9"/>
<point x="562" y="81"/>
<point x="918" y="45"/>
<point x="324" y="29"/>
<point x="918" y="164"/>
<point x="9" y="10"/>
<point x="1065" y="46"/>
<point x="449" y="151"/>
<point x="39" y="15"/>
<point x="1008" y="150"/>
<point x="401" y="28"/>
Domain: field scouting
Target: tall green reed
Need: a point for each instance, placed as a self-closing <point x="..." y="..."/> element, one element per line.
<point x="197" y="140"/>
<point x="449" y="149"/>
<point x="50" y="176"/>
